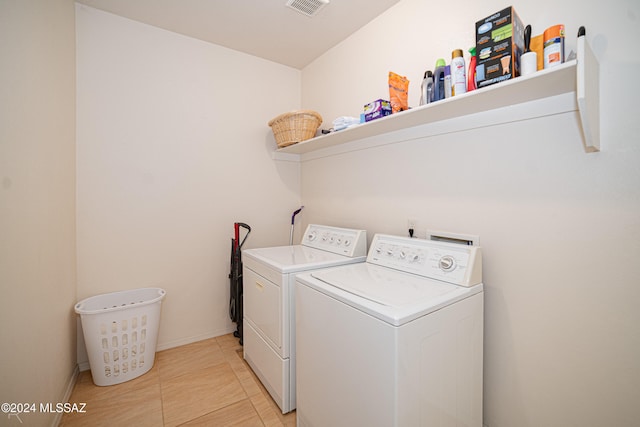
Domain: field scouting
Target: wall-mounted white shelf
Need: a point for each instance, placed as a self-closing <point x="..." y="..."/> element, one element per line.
<point x="572" y="86"/>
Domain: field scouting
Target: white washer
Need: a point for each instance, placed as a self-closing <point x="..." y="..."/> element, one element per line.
<point x="395" y="341"/>
<point x="269" y="301"/>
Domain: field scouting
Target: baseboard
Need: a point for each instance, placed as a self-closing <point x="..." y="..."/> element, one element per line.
<point x="192" y="339"/>
<point x="67" y="394"/>
<point x="83" y="365"/>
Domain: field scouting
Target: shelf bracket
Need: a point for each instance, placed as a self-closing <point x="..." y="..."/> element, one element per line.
<point x="588" y="95"/>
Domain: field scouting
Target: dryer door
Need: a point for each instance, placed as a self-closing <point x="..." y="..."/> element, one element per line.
<point x="262" y="300"/>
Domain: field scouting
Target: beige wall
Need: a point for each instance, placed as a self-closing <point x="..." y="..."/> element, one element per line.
<point x="37" y="204"/>
<point x="168" y="159"/>
<point x="173" y="148"/>
<point x="560" y="229"/>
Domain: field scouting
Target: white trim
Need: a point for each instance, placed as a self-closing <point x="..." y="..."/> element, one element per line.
<point x="192" y="339"/>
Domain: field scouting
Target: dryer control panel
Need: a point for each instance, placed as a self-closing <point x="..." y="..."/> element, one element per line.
<point x="343" y="241"/>
<point x="449" y="262"/>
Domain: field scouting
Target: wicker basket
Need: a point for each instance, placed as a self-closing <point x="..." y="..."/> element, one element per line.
<point x="296" y="126"/>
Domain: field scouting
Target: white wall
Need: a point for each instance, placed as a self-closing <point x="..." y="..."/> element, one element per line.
<point x="173" y="148"/>
<point x="560" y="229"/>
<point x="37" y="205"/>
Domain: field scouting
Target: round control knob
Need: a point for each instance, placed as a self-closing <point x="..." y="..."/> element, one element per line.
<point x="347" y="242"/>
<point x="403" y="255"/>
<point x="447" y="263"/>
<point x="312" y="236"/>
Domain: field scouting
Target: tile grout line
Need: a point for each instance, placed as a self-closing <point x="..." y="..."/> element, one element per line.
<point x="255" y="397"/>
<point x="260" y="412"/>
<point x="161" y="393"/>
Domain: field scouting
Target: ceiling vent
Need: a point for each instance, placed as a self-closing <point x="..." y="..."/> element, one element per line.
<point x="307" y="7"/>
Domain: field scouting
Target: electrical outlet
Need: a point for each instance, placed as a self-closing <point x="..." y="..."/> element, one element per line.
<point x="411" y="227"/>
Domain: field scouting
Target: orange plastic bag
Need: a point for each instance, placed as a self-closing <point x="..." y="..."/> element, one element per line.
<point x="398" y="92"/>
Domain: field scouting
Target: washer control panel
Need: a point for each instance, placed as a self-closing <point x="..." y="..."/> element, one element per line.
<point x="343" y="241"/>
<point x="449" y="262"/>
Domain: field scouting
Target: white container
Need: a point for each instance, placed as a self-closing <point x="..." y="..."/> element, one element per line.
<point x="458" y="73"/>
<point x="120" y="332"/>
<point x="553" y="49"/>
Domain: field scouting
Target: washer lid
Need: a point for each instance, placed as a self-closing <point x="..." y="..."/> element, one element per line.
<point x="393" y="296"/>
<point x="289" y="259"/>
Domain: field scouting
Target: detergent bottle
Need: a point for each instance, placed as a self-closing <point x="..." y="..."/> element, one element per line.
<point x="447" y="82"/>
<point x="471" y="75"/>
<point x="426" y="92"/>
<point x="438" y="80"/>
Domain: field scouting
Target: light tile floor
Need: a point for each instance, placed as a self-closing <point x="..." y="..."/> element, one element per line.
<point x="206" y="383"/>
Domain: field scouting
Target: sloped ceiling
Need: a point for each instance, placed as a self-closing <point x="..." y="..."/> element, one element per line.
<point x="264" y="28"/>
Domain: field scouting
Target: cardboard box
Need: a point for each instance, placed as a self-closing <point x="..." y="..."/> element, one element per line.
<point x="499" y="44"/>
<point x="376" y="109"/>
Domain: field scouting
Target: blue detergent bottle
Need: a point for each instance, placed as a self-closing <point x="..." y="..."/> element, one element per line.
<point x="438" y="80"/>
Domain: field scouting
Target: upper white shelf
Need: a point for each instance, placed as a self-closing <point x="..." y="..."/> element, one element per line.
<point x="571" y="86"/>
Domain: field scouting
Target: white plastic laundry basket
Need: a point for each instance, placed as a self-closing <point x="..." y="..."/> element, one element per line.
<point x="120" y="332"/>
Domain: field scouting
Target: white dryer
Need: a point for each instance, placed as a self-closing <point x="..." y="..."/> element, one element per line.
<point x="395" y="341"/>
<point x="269" y="301"/>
